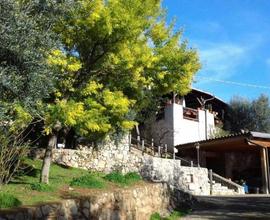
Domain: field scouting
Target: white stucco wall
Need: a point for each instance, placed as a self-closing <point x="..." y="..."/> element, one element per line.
<point x="180" y="130"/>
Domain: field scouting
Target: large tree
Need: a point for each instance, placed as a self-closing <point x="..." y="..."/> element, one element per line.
<point x="26" y="36"/>
<point x="249" y="115"/>
<point x="116" y="56"/>
<point x="26" y="78"/>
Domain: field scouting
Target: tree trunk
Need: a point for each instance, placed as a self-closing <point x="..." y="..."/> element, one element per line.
<point x="44" y="177"/>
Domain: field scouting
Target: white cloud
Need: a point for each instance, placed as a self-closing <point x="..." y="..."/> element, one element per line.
<point x="222" y="60"/>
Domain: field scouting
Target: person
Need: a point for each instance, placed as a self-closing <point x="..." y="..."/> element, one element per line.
<point x="245" y="187"/>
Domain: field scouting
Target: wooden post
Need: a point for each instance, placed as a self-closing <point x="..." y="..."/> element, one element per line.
<point x="159" y="151"/>
<point x="267" y="165"/>
<point x="138" y="141"/>
<point x="166" y="149"/>
<point x="129" y="141"/>
<point x="211" y="181"/>
<point x="152" y="146"/>
<point x="142" y="146"/>
<point x="264" y="171"/>
<point x="191" y="163"/>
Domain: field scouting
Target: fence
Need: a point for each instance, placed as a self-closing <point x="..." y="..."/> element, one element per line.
<point x="148" y="147"/>
<point x="213" y="177"/>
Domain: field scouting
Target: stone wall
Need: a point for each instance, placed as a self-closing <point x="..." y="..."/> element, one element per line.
<point x="104" y="158"/>
<point x="133" y="204"/>
<point x="189" y="179"/>
<point x="118" y="156"/>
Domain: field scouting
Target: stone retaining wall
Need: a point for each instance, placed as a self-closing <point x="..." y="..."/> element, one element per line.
<point x="189" y="179"/>
<point x="133" y="204"/>
<point x="118" y="156"/>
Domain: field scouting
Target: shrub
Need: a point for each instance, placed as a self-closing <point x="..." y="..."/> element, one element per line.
<point x="119" y="178"/>
<point x="133" y="177"/>
<point x="176" y="214"/>
<point x="88" y="181"/>
<point x="41" y="187"/>
<point x="116" y="177"/>
<point x="173" y="216"/>
<point x="8" y="201"/>
<point x="28" y="170"/>
<point x="155" y="216"/>
<point x="12" y="149"/>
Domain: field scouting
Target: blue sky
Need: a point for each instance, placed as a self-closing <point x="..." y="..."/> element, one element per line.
<point x="233" y="41"/>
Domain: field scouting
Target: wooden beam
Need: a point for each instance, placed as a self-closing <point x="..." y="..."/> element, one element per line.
<point x="261" y="143"/>
<point x="265" y="178"/>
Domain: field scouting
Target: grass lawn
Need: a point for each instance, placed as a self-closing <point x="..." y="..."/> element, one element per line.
<point x="28" y="190"/>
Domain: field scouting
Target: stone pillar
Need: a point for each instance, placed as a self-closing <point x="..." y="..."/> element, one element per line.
<point x="265" y="178"/>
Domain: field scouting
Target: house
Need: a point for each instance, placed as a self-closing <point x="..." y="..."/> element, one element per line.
<point x="242" y="156"/>
<point x="194" y="117"/>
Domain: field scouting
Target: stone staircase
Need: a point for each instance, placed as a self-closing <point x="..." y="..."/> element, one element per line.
<point x="223" y="186"/>
<point x="191" y="181"/>
<point x="219" y="189"/>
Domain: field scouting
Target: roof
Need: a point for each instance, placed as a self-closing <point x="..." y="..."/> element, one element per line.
<point x="244" y="134"/>
<point x="207" y="93"/>
<point x="260" y="135"/>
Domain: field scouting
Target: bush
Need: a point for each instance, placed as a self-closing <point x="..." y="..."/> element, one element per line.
<point x="28" y="170"/>
<point x="133" y="177"/>
<point x="12" y="149"/>
<point x="119" y="178"/>
<point x="8" y="201"/>
<point x="88" y="181"/>
<point x="176" y="214"/>
<point x="116" y="177"/>
<point x="41" y="187"/>
<point x="173" y="216"/>
<point x="155" y="216"/>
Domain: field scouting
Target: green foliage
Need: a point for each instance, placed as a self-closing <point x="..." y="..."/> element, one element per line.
<point x="118" y="56"/>
<point x="219" y="132"/>
<point x="12" y="151"/>
<point x="41" y="187"/>
<point x="26" y="38"/>
<point x="119" y="178"/>
<point x="176" y="215"/>
<point x="28" y="170"/>
<point x="155" y="216"/>
<point x="173" y="216"/>
<point x="8" y="201"/>
<point x="89" y="181"/>
<point x="132" y="177"/>
<point x="249" y="115"/>
<point x="112" y="60"/>
<point x="60" y="177"/>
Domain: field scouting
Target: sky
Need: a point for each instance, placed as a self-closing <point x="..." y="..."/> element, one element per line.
<point x="233" y="41"/>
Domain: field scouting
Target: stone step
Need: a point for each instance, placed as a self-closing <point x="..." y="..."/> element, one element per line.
<point x="217" y="185"/>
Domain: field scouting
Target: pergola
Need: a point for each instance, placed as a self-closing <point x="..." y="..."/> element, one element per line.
<point x="241" y="142"/>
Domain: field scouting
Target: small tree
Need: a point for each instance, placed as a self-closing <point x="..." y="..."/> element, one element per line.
<point x="12" y="150"/>
<point x="249" y="115"/>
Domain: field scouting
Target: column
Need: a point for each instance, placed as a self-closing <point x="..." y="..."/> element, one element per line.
<point x="265" y="181"/>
